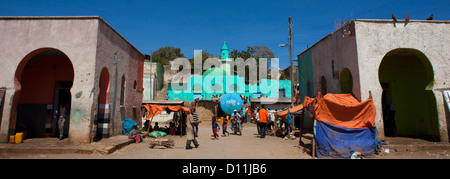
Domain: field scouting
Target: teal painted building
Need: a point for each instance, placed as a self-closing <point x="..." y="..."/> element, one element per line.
<point x="218" y="81"/>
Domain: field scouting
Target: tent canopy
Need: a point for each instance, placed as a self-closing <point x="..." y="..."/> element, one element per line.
<point x="283" y="114"/>
<point x="344" y="125"/>
<point x="152" y="108"/>
<point x="344" y="110"/>
<point x="307" y="102"/>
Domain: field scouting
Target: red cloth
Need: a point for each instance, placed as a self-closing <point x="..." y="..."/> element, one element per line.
<point x="137" y="138"/>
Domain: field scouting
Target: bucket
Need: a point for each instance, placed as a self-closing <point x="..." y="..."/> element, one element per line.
<point x="18" y="137"/>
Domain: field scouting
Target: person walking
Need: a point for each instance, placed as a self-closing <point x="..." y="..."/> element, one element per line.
<point x="224" y="126"/>
<point x="190" y="133"/>
<point x="287" y="135"/>
<point x="263" y="116"/>
<point x="256" y="119"/>
<point x="248" y="113"/>
<point x="215" y="127"/>
<point x="195" y="116"/>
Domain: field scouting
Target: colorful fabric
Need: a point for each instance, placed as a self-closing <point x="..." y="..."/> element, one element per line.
<point x="340" y="142"/>
<point x="345" y="111"/>
<point x="283" y="114"/>
<point x="152" y="108"/>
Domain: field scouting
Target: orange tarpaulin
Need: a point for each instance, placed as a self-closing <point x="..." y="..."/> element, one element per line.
<point x="339" y="109"/>
<point x="344" y="110"/>
<point x="307" y="102"/>
<point x="283" y="114"/>
<point x="151" y="108"/>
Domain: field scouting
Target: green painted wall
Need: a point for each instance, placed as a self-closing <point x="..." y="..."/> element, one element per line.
<point x="346" y="81"/>
<point x="206" y="86"/>
<point x="414" y="102"/>
<point x="306" y="75"/>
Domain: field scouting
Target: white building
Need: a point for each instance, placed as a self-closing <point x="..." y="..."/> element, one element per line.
<point x="406" y="64"/>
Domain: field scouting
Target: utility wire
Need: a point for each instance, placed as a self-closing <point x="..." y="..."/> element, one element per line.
<point x="327" y="25"/>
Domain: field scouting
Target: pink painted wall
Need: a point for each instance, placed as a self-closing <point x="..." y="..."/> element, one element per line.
<point x="90" y="44"/>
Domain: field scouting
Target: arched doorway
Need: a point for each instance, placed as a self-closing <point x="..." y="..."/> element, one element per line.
<point x="409" y="105"/>
<point x="346" y="81"/>
<point x="103" y="114"/>
<point x="43" y="80"/>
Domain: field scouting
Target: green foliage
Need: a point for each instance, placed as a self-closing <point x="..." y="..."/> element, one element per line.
<point x="205" y="56"/>
<point x="166" y="54"/>
<point x="255" y="51"/>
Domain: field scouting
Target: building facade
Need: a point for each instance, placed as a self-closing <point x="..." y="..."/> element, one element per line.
<point x="404" y="65"/>
<point x="218" y="81"/>
<point x="79" y="62"/>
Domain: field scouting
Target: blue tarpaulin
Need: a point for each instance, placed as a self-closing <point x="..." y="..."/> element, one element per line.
<point x="127" y="125"/>
<point x="340" y="142"/>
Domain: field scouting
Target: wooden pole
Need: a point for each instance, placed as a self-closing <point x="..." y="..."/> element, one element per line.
<point x="302" y="118"/>
<point x="181" y="124"/>
<point x="314" y="140"/>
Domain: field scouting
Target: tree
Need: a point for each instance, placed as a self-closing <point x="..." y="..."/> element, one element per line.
<point x="166" y="54"/>
<point x="205" y="55"/>
<point x="261" y="51"/>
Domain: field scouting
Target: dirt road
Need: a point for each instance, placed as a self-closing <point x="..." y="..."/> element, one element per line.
<point x="247" y="146"/>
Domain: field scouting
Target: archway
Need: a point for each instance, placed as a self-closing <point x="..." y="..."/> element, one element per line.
<point x="103" y="114"/>
<point x="409" y="105"/>
<point x="346" y="81"/>
<point x="43" y="80"/>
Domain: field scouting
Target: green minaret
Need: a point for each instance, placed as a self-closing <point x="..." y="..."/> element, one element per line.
<point x="224" y="52"/>
<point x="224" y="57"/>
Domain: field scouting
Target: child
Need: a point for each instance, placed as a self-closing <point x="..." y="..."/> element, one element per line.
<point x="224" y="126"/>
<point x="135" y="134"/>
<point x="215" y="127"/>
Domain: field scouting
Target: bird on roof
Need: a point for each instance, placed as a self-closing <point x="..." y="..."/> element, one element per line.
<point x="394" y="18"/>
<point x="407" y="19"/>
<point x="430" y="18"/>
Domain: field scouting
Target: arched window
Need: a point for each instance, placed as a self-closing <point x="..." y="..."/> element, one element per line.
<point x="323" y="84"/>
<point x="346" y="81"/>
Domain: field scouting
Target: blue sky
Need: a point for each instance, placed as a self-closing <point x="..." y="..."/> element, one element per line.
<point x="195" y="24"/>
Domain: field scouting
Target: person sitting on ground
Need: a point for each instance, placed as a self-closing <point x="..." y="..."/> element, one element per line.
<point x="135" y="134"/>
<point x="172" y="129"/>
<point x="156" y="128"/>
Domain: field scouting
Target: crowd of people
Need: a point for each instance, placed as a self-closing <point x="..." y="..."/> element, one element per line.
<point x="186" y="123"/>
